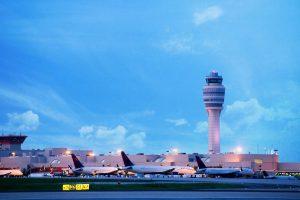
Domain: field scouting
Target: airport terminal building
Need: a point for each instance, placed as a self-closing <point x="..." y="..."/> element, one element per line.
<point x="13" y="156"/>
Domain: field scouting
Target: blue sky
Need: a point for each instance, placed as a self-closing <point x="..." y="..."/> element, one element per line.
<point x="105" y="75"/>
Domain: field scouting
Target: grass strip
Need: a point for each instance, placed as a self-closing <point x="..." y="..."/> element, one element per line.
<point x="55" y="184"/>
<point x="50" y="184"/>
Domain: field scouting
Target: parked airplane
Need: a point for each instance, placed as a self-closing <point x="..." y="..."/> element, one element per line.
<point x="144" y="169"/>
<point x="266" y="175"/>
<point x="10" y="172"/>
<point x="82" y="170"/>
<point x="223" y="172"/>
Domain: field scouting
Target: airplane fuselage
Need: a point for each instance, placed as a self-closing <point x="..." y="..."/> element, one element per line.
<point x="226" y="172"/>
<point x="184" y="170"/>
<point x="144" y="169"/>
<point x="96" y="170"/>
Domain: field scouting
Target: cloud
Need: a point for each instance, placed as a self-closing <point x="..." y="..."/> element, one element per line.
<point x="248" y="112"/>
<point x="209" y="14"/>
<point x="225" y="129"/>
<point x="187" y="42"/>
<point x="251" y="111"/>
<point x="113" y="135"/>
<point x="178" y="45"/>
<point x="137" y="139"/>
<point x="117" y="137"/>
<point x="201" y="127"/>
<point x="27" y="121"/>
<point x="177" y="122"/>
<point x="138" y="114"/>
<point x="85" y="131"/>
<point x="40" y="99"/>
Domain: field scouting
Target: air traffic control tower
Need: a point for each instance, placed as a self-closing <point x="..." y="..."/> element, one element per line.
<point x="213" y="97"/>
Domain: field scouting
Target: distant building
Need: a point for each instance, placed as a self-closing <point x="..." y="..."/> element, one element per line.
<point x="13" y="156"/>
<point x="11" y="142"/>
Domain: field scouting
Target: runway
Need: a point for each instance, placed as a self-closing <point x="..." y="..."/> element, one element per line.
<point x="148" y="195"/>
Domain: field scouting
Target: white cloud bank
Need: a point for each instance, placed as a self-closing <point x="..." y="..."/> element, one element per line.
<point x="117" y="136"/>
<point x="251" y="111"/>
<point x="241" y="115"/>
<point x="40" y="99"/>
<point x="177" y="122"/>
<point x="27" y="121"/>
<point x="209" y="14"/>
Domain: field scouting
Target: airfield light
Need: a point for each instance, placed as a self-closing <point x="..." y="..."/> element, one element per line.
<point x="239" y="149"/>
<point x="68" y="152"/>
<point x="118" y="151"/>
<point x="175" y="150"/>
<point x="91" y="154"/>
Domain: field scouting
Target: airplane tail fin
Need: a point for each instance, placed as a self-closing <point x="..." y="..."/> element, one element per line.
<point x="126" y="160"/>
<point x="76" y="162"/>
<point x="200" y="163"/>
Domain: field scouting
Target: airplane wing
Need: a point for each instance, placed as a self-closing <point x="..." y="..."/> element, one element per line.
<point x="168" y="171"/>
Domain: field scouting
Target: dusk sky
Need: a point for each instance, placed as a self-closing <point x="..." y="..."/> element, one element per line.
<point x="108" y="75"/>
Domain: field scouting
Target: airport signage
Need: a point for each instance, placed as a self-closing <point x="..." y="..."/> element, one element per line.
<point x="77" y="187"/>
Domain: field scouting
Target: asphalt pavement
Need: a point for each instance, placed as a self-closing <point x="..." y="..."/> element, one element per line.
<point x="149" y="195"/>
